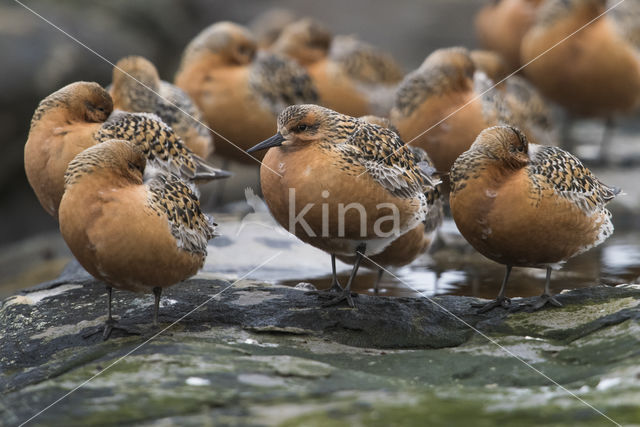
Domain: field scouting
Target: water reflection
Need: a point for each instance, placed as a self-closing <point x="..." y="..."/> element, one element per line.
<point x="456" y="269"/>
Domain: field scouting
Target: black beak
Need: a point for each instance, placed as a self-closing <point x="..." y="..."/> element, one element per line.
<point x="274" y="141"/>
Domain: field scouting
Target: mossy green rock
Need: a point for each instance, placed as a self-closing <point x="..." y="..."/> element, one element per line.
<point x="259" y="354"/>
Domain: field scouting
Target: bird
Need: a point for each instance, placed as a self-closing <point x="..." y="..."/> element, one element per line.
<point x="267" y="26"/>
<point x="501" y="25"/>
<point x="440" y="108"/>
<point x="130" y="225"/>
<point x="343" y="185"/>
<point x="527" y="205"/>
<point x="81" y="115"/>
<point x="239" y="91"/>
<point x="586" y="60"/>
<point x="491" y="63"/>
<point x="444" y="105"/>
<point x="414" y="242"/>
<point x="518" y="101"/>
<point x="352" y="77"/>
<point x="136" y="87"/>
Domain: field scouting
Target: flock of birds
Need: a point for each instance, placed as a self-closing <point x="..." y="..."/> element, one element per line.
<point x="341" y="124"/>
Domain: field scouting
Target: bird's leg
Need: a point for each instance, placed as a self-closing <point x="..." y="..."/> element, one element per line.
<point x="546" y="297"/>
<point x="376" y="287"/>
<point x="501" y="300"/>
<point x="605" y="143"/>
<point x="108" y="326"/>
<point x="346" y="292"/>
<point x="335" y="285"/>
<point x="110" y="323"/>
<point x="157" y="292"/>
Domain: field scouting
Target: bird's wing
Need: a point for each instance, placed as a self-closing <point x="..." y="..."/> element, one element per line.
<point x="569" y="178"/>
<point x="281" y="82"/>
<point x="178" y="110"/>
<point x="387" y="160"/>
<point x="174" y="199"/>
<point x="160" y="144"/>
<point x="364" y="62"/>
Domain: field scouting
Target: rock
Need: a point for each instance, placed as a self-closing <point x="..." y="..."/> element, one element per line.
<point x="260" y="354"/>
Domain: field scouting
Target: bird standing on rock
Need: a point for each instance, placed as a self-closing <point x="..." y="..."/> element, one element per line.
<point x="527" y="205"/>
<point x="137" y="88"/>
<point x="343" y="185"/>
<point x="240" y="92"/>
<point x="81" y="115"/>
<point x="132" y="226"/>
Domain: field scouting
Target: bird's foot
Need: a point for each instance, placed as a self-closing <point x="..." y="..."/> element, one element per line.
<point x="503" y="302"/>
<point x="108" y="327"/>
<point x="345" y="295"/>
<point x="543" y="300"/>
<point x="335" y="287"/>
<point x="329" y="292"/>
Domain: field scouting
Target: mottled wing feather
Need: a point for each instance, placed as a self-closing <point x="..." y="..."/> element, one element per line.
<point x="552" y="11"/>
<point x="569" y="178"/>
<point x="281" y="82"/>
<point x="160" y="144"/>
<point x="523" y="97"/>
<point x="179" y="111"/>
<point x="364" y="62"/>
<point x="171" y="197"/>
<point x="387" y="160"/>
<point x="494" y="105"/>
<point x="433" y="194"/>
<point x="426" y="82"/>
<point x="626" y="17"/>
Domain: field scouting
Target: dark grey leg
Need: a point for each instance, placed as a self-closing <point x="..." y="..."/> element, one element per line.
<point x="501" y="300"/>
<point x="108" y="326"/>
<point x="335" y="285"/>
<point x="376" y="287"/>
<point x="346" y="292"/>
<point x="546" y="297"/>
<point x="157" y="292"/>
<point x="604" y="150"/>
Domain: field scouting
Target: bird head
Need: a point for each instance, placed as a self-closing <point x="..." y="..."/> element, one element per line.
<point x="504" y="143"/>
<point x="300" y="125"/>
<point x="306" y="41"/>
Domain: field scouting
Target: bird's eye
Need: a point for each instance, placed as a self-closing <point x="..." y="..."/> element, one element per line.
<point x="132" y="166"/>
<point x="301" y="128"/>
<point x="521" y="148"/>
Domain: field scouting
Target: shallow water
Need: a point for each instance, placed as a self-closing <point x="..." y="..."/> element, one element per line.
<point x="456" y="269"/>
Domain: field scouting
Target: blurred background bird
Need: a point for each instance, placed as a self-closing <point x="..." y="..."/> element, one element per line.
<point x="501" y="24"/>
<point x="136" y="87"/>
<point x="352" y="76"/>
<point x="585" y="55"/>
<point x="239" y="90"/>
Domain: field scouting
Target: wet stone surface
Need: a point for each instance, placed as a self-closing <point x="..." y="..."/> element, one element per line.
<point x="262" y="354"/>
